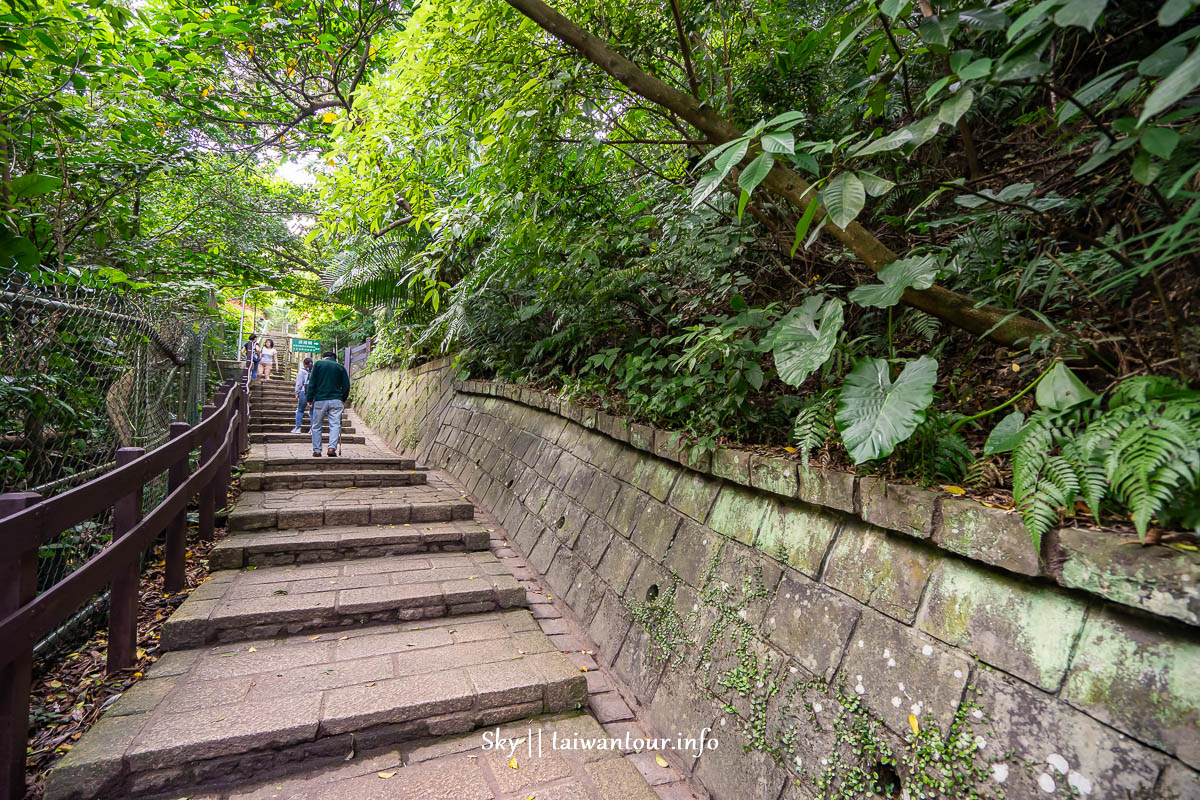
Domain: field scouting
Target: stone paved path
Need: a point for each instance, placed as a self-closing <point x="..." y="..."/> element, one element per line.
<point x="362" y="628"/>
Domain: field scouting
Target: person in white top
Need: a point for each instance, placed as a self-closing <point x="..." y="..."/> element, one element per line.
<point x="266" y="358"/>
<point x="298" y="389"/>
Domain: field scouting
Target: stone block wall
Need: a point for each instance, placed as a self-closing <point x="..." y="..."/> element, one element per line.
<point x="833" y="631"/>
<point x="405" y="406"/>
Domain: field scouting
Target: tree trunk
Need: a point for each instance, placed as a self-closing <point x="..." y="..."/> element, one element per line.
<point x="957" y="309"/>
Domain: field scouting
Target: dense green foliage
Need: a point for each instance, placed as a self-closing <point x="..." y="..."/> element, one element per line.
<point x="502" y="197"/>
<point x="490" y="191"/>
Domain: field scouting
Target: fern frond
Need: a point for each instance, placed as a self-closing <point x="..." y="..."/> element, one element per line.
<point x="1148" y="461"/>
<point x="813" y="424"/>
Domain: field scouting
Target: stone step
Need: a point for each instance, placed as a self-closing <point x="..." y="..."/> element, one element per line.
<point x="235" y="605"/>
<point x="338" y="543"/>
<point x="281" y="389"/>
<point x="309" y="464"/>
<point x="310" y="508"/>
<point x="284" y="438"/>
<point x="267" y="707"/>
<point x="284" y="427"/>
<point x="349" y="475"/>
<point x="280" y="413"/>
<point x="459" y="767"/>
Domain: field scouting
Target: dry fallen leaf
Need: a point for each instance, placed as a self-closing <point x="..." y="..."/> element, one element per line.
<point x="662" y="762"/>
<point x="912" y="722"/>
<point x="512" y="763"/>
<point x="957" y="490"/>
<point x="252" y="650"/>
<point x="386" y="775"/>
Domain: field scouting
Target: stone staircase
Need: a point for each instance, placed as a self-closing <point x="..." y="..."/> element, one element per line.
<point x="354" y="608"/>
<point x="274" y="411"/>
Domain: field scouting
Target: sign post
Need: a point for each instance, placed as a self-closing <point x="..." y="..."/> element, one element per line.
<point x="305" y="345"/>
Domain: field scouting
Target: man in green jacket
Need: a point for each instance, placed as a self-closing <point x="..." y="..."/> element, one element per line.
<point x="327" y="389"/>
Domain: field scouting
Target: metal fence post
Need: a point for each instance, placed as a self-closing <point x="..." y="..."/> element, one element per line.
<point x="123" y="595"/>
<point x="18" y="585"/>
<point x="208" y="493"/>
<point x="176" y="543"/>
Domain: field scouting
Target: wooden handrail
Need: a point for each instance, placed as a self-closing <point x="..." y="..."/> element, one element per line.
<point x="25" y="617"/>
<point x="40" y="522"/>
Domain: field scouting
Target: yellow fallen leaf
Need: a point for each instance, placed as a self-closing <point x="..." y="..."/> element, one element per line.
<point x="954" y="489"/>
<point x="512" y="763"/>
<point x="252" y="650"/>
<point x="386" y="775"/>
<point x="662" y="762"/>
<point x="912" y="723"/>
<point x="1016" y="367"/>
<point x="582" y="668"/>
<point x="790" y="449"/>
<point x="314" y="638"/>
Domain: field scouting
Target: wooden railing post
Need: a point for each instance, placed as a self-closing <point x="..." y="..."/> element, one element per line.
<point x="176" y="544"/>
<point x="346" y="359"/>
<point x="208" y="493"/>
<point x="244" y="426"/>
<point x="123" y="592"/>
<point x="222" y="478"/>
<point x="18" y="584"/>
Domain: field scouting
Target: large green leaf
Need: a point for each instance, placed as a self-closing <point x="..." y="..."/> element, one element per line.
<point x="32" y="185"/>
<point x="875" y="413"/>
<point x="917" y="272"/>
<point x="753" y="175"/>
<point x="805" y="338"/>
<point x="778" y="142"/>
<point x="1083" y="13"/>
<point x="916" y="134"/>
<point x="952" y="110"/>
<point x="1006" y="435"/>
<point x="1182" y="80"/>
<point x="844" y="198"/>
<point x="1061" y="389"/>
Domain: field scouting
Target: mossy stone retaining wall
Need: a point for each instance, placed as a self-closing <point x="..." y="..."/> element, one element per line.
<point x="833" y="631"/>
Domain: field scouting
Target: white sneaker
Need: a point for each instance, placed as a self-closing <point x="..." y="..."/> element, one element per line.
<point x="296" y="430"/>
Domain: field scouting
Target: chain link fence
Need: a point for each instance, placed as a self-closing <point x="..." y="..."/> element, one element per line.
<point x="83" y="372"/>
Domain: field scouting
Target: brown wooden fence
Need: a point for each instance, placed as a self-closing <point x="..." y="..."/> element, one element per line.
<point x="27" y="521"/>
<point x="353" y="356"/>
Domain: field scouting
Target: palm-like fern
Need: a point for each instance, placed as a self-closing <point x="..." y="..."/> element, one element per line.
<point x="1142" y="453"/>
<point x="813" y="424"/>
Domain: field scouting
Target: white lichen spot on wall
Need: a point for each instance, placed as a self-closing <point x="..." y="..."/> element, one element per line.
<point x="1081" y="783"/>
<point x="1047" y="783"/>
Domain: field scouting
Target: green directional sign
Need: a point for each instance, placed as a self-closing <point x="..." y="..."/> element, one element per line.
<point x="305" y="345"/>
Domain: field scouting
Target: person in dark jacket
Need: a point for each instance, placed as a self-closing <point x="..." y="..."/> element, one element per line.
<point x="250" y="348"/>
<point x="327" y="390"/>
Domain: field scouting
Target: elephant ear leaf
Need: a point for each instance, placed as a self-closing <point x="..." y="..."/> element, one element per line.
<point x="876" y="413"/>
<point x="1061" y="389"/>
<point x="805" y="338"/>
<point x="917" y="272"/>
